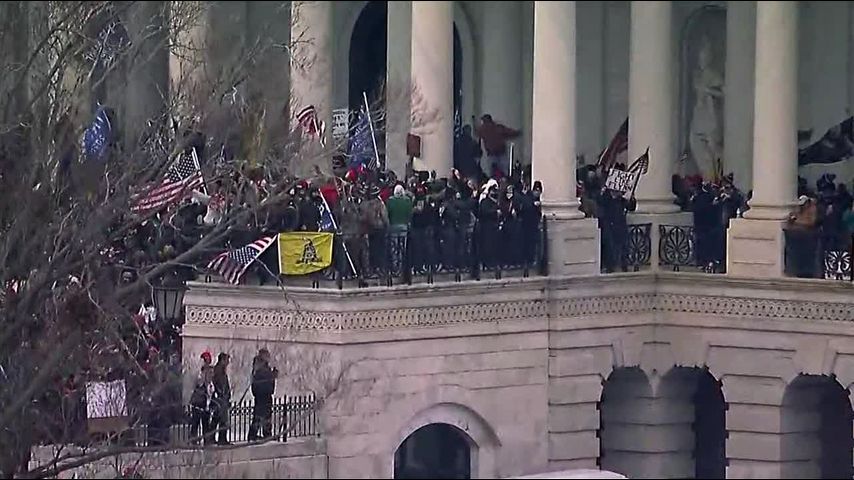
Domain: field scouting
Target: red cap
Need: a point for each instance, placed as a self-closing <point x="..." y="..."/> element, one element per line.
<point x="206" y="355"/>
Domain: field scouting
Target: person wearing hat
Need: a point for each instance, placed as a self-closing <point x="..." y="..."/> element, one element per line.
<point x="221" y="399"/>
<point x="375" y="222"/>
<point x="263" y="387"/>
<point x="200" y="401"/>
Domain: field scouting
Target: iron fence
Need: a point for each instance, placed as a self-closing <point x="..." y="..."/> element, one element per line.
<point x="292" y="417"/>
<point x="638" y="248"/>
<point x="813" y="254"/>
<point x="430" y="254"/>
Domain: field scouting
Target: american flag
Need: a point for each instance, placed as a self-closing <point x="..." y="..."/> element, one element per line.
<point x="232" y="264"/>
<point x="307" y="118"/>
<point x="618" y="145"/>
<point x="96" y="138"/>
<point x="361" y="143"/>
<point x="641" y="165"/>
<point x="182" y="178"/>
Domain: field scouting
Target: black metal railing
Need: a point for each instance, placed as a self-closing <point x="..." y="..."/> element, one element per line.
<point x="682" y="246"/>
<point x="810" y="254"/>
<point x="639" y="246"/>
<point x="837" y="263"/>
<point x="431" y="254"/>
<point x="292" y="417"/>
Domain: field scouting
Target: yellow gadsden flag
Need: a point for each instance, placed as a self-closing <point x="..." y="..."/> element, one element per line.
<point x="301" y="253"/>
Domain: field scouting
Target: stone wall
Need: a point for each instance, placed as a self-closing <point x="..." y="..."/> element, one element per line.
<point x="298" y="458"/>
<point x="521" y="365"/>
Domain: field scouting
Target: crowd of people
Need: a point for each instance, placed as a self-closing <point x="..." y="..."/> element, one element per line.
<point x="822" y="221"/>
<point x="490" y="218"/>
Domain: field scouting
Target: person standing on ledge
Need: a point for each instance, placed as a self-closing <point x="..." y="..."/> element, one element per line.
<point x="495" y="136"/>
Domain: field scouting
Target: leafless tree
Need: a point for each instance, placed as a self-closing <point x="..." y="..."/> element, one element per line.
<point x="77" y="263"/>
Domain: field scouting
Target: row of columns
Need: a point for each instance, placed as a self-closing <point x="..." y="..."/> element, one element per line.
<point x="651" y="113"/>
<point x="756" y="244"/>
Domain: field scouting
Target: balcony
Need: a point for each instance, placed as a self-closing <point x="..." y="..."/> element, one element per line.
<point x="421" y="256"/>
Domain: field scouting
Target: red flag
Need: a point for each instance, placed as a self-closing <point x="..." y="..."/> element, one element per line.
<point x="618" y="145"/>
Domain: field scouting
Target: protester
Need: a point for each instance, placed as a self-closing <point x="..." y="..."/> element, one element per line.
<point x="399" y="211"/>
<point x="221" y="400"/>
<point x="494" y="136"/>
<point x="263" y="387"/>
<point x="802" y="239"/>
<point x="200" y="401"/>
<point x="615" y="231"/>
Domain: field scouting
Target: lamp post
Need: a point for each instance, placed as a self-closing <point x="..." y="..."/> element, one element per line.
<point x="168" y="298"/>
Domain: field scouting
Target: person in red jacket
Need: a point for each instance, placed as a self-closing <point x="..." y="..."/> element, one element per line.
<point x="494" y="137"/>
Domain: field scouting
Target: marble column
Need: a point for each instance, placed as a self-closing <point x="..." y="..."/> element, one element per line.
<point x="553" y="137"/>
<point x="756" y="242"/>
<point x="433" y="84"/>
<point x="501" y="61"/>
<point x="398" y="84"/>
<point x="738" y="92"/>
<point x="148" y="77"/>
<point x="311" y="72"/>
<point x="651" y="102"/>
<point x="269" y="26"/>
<point x="775" y="157"/>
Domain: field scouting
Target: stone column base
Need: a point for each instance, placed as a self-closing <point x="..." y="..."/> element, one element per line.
<point x="682" y="219"/>
<point x="573" y="247"/>
<point x="755" y="248"/>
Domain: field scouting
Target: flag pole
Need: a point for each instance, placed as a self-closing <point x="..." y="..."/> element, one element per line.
<point x="371" y="123"/>
<point x="195" y="157"/>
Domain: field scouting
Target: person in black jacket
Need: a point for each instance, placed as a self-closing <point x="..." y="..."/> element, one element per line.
<point x="489" y="216"/>
<point x="615" y="230"/>
<point x="707" y="219"/>
<point x="221" y="401"/>
<point x="263" y="387"/>
<point x="530" y="212"/>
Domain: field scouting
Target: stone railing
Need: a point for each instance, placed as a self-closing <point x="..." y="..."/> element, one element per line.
<point x="491" y="302"/>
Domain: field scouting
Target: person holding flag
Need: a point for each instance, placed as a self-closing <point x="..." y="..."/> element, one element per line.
<point x="612" y="208"/>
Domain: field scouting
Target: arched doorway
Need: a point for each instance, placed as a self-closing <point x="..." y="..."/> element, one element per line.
<point x="368" y="54"/>
<point x="458" y="74"/>
<point x="678" y="431"/>
<point x="368" y="45"/>
<point x="709" y="426"/>
<point x="817" y="419"/>
<point x="625" y="390"/>
<point x="437" y="450"/>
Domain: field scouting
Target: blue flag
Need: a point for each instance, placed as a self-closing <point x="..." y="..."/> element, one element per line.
<point x="97" y="137"/>
<point x="326" y="223"/>
<point x="361" y="144"/>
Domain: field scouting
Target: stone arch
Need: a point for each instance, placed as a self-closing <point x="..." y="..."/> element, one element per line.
<point x="484" y="442"/>
<point x="697" y="426"/>
<point x="816" y="423"/>
<point x="436" y="450"/>
<point x="470" y="52"/>
<point x="624" y="394"/>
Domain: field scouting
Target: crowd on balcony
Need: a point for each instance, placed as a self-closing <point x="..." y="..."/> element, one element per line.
<point x="822" y="221"/>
